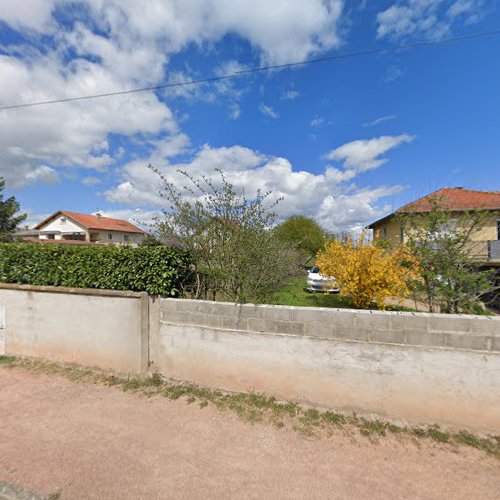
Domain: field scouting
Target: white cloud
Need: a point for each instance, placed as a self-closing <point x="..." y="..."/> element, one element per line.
<point x="91" y="181"/>
<point x="378" y="121"/>
<point x="326" y="196"/>
<point x="120" y="44"/>
<point x="316" y="122"/>
<point x="290" y="95"/>
<point x="42" y="174"/>
<point x="363" y="155"/>
<point x="432" y="19"/>
<point x="268" y="111"/>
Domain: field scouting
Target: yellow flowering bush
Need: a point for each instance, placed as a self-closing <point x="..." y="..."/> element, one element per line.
<point x="368" y="274"/>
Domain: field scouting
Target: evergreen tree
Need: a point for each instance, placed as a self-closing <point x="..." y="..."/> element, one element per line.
<point x="10" y="218"/>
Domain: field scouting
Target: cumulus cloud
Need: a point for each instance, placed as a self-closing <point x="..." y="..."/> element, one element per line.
<point x="268" y="111"/>
<point x="112" y="45"/>
<point x="363" y="155"/>
<point x="326" y="196"/>
<point x="432" y="19"/>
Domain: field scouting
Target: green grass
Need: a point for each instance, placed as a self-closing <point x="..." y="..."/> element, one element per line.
<point x="295" y="294"/>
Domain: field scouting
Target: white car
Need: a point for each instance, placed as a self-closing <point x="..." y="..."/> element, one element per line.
<point x="316" y="282"/>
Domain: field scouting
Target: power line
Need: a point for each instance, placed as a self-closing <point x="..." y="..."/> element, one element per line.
<point x="366" y="52"/>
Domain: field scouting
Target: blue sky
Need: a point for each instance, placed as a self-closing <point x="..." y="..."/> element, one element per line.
<point x="343" y="141"/>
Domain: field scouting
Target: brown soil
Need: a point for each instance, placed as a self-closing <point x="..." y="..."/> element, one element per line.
<point x="96" y="442"/>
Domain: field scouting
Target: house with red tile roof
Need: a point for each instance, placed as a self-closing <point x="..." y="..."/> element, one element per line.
<point x="454" y="200"/>
<point x="69" y="227"/>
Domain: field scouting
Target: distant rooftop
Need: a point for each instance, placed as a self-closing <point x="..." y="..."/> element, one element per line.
<point x="96" y="222"/>
<point x="452" y="199"/>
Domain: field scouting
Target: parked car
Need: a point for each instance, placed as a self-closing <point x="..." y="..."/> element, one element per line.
<point x="316" y="282"/>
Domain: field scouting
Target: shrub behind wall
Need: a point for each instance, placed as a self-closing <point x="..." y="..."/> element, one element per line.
<point x="156" y="270"/>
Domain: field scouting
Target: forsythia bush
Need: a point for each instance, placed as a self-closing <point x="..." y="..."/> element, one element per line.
<point x="367" y="274"/>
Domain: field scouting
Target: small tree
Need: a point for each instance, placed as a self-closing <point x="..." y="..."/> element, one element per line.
<point x="303" y="232"/>
<point x="366" y="274"/>
<point x="235" y="254"/>
<point x="9" y="221"/>
<point x="442" y="241"/>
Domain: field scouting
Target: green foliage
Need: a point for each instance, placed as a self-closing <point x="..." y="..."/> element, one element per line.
<point x="8" y="218"/>
<point x="235" y="254"/>
<point x="443" y="243"/>
<point x="156" y="270"/>
<point x="305" y="233"/>
<point x="150" y="241"/>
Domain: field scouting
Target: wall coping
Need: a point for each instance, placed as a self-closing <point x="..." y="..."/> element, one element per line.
<point x="340" y="310"/>
<point x="95" y="292"/>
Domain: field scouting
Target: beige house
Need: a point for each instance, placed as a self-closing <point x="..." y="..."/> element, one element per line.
<point x="75" y="228"/>
<point x="486" y="242"/>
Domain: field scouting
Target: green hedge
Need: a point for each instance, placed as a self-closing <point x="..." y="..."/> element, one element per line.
<point x="156" y="270"/>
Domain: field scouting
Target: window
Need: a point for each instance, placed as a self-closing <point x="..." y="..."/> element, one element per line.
<point x="63" y="220"/>
<point x="51" y="236"/>
<point x="110" y="236"/>
<point x="384" y="233"/>
<point x="498" y="229"/>
<point x="126" y="237"/>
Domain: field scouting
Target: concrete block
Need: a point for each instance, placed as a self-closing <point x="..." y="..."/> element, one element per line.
<point x="246" y="311"/>
<point x="323" y="330"/>
<point x="277" y="313"/>
<point x="206" y="307"/>
<point x="232" y="323"/>
<point x="351" y="333"/>
<point x="258" y="325"/>
<point x="341" y="318"/>
<point x="228" y="309"/>
<point x="468" y="341"/>
<point x="288" y="327"/>
<point x="174" y="317"/>
<point x="485" y="325"/>
<point x="312" y="315"/>
<point x="188" y="305"/>
<point x="495" y="344"/>
<point x="449" y="323"/>
<point x="370" y="319"/>
<point x="425" y="338"/>
<point x="409" y="321"/>
<point x="387" y="336"/>
<point x="168" y="304"/>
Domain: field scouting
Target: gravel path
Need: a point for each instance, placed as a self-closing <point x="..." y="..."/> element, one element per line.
<point x="95" y="442"/>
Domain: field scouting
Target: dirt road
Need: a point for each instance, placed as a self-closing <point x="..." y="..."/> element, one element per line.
<point x="96" y="442"/>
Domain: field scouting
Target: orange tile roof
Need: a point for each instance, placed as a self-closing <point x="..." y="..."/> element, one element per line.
<point x="93" y="222"/>
<point x="453" y="199"/>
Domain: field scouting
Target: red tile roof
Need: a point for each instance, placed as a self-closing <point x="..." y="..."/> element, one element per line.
<point x="453" y="199"/>
<point x="456" y="199"/>
<point x="94" y="222"/>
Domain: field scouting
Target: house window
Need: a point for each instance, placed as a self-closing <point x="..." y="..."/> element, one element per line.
<point x="384" y="233"/>
<point x="126" y="237"/>
<point x="51" y="236"/>
<point x="110" y="236"/>
<point x="498" y="229"/>
<point x="63" y="220"/>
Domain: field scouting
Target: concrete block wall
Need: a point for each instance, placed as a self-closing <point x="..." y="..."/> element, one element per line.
<point x="475" y="333"/>
<point x="421" y="368"/>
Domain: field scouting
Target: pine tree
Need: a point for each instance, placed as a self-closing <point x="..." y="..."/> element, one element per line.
<point x="10" y="217"/>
